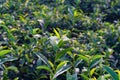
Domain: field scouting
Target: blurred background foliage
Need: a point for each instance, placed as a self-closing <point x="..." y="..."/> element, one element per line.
<point x="60" y="39"/>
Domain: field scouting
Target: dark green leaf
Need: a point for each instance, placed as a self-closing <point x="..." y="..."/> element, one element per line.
<point x="71" y="77"/>
<point x="111" y="72"/>
<point x="61" y="53"/>
<point x="95" y="62"/>
<point x="43" y="58"/>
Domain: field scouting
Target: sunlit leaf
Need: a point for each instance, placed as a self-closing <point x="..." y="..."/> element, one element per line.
<point x="61" y="65"/>
<point x="13" y="29"/>
<point x="93" y="78"/>
<point x="118" y="71"/>
<point x="43" y="67"/>
<point x="3" y="52"/>
<point x="52" y="65"/>
<point x="36" y="30"/>
<point x="57" y="34"/>
<point x="61" y="70"/>
<point x="96" y="57"/>
<point x="17" y="78"/>
<point x="92" y="71"/>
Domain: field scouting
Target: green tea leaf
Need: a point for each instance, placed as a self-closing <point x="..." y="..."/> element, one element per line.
<point x="70" y="54"/>
<point x="43" y="58"/>
<point x="111" y="72"/>
<point x="68" y="76"/>
<point x="61" y="43"/>
<point x="118" y="71"/>
<point x="7" y="59"/>
<point x="61" y="53"/>
<point x="44" y="67"/>
<point x="77" y="62"/>
<point x="77" y="1"/>
<point x="3" y="52"/>
<point x="95" y="62"/>
<point x="13" y="68"/>
<point x="96" y="57"/>
<point x="85" y="77"/>
<point x="107" y="76"/>
<point x="61" y="65"/>
<point x="36" y="30"/>
<point x="71" y="77"/>
<point x="101" y="78"/>
<point x="17" y="78"/>
<point x="83" y="57"/>
<point x="52" y="65"/>
<point x="57" y="34"/>
<point x="10" y="36"/>
<point x="61" y="70"/>
<point x="92" y="71"/>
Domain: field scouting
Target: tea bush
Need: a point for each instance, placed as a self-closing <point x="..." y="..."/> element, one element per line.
<point x="59" y="40"/>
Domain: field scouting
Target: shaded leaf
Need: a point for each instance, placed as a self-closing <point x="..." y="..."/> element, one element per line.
<point x="95" y="62"/>
<point x="84" y="76"/>
<point x="61" y="53"/>
<point x="43" y="58"/>
<point x="7" y="59"/>
<point x="111" y="72"/>
<point x="13" y="68"/>
<point x="71" y="77"/>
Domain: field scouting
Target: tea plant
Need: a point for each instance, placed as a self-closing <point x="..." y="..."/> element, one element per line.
<point x="59" y="40"/>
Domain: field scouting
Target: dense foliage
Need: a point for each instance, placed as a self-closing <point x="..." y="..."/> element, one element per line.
<point x="59" y="39"/>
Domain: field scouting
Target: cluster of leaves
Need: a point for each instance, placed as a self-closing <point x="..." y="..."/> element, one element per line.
<point x="59" y="39"/>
